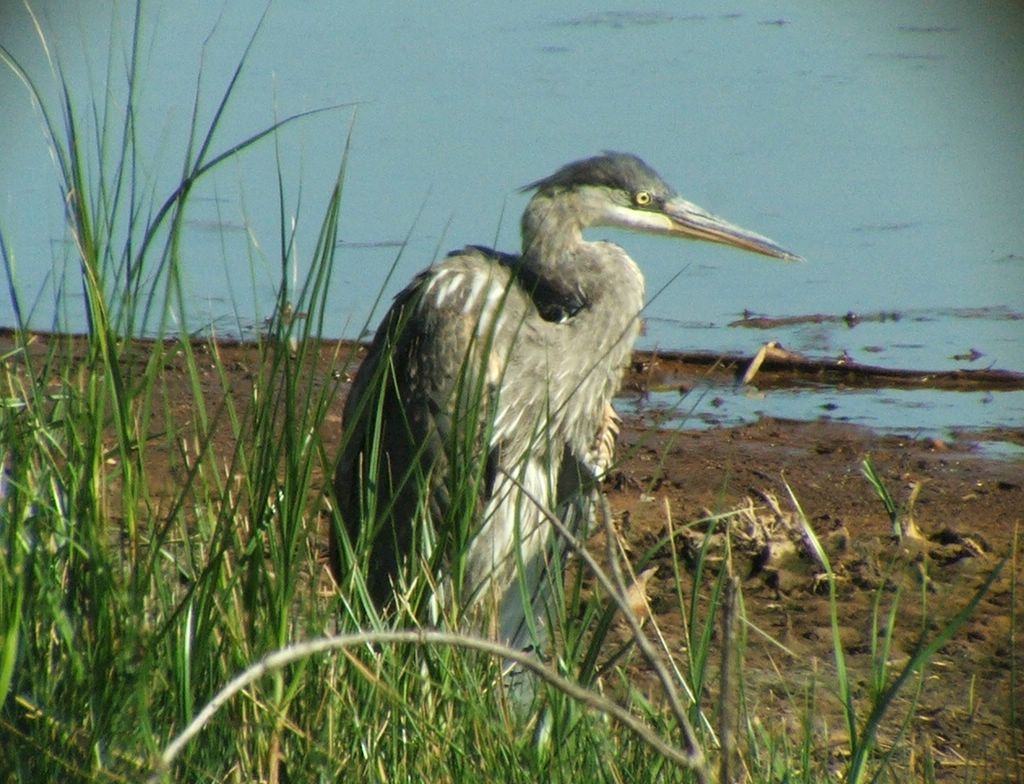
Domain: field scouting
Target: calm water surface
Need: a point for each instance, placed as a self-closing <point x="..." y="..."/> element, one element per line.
<point x="882" y="141"/>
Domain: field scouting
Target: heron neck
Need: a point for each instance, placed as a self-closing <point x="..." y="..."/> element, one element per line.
<point x="555" y="251"/>
<point x="551" y="228"/>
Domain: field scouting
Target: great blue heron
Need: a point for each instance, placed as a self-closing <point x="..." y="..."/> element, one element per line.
<point x="483" y="404"/>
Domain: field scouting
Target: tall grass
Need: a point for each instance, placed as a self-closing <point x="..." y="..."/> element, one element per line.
<point x="127" y="602"/>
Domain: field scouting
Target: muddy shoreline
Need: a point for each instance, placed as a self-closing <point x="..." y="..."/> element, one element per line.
<point x="968" y="508"/>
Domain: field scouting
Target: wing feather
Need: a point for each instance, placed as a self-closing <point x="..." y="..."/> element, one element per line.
<point x="421" y="397"/>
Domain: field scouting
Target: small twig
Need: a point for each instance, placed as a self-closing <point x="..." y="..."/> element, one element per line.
<point x="755" y="365"/>
<point x="282" y="658"/>
<point x="725" y="712"/>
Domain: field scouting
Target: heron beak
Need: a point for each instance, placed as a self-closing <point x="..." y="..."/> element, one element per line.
<point x="689" y="220"/>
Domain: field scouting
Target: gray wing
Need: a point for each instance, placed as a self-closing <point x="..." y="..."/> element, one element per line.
<point x="417" y="445"/>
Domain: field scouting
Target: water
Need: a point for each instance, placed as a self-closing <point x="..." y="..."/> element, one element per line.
<point x="884" y="142"/>
<point x="973" y="418"/>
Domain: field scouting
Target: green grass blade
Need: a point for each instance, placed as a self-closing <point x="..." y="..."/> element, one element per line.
<point x="922" y="654"/>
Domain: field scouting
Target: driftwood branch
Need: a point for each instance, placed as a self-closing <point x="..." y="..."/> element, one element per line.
<point x="778" y="367"/>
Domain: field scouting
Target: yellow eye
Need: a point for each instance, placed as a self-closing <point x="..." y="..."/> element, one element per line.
<point x="642" y="198"/>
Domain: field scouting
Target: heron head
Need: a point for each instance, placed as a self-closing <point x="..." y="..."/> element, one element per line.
<point x="619" y="189"/>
